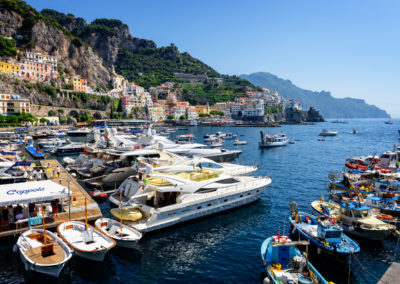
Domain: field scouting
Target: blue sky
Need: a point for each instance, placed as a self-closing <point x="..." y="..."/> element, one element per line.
<point x="350" y="48"/>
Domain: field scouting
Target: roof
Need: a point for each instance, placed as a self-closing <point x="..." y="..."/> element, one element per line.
<point x="35" y="191"/>
<point x="354" y="206"/>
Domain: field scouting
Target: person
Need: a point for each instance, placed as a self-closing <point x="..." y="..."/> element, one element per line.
<point x="54" y="208"/>
<point x="58" y="171"/>
<point x="18" y="209"/>
<point x="19" y="216"/>
<point x="32" y="209"/>
<point x="4" y="214"/>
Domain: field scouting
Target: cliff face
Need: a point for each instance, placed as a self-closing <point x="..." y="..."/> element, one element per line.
<point x="72" y="55"/>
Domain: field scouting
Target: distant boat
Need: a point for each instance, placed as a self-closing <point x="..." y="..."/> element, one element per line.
<point x="193" y="122"/>
<point x="238" y="142"/>
<point x="326" y="132"/>
<point x="354" y="131"/>
<point x="273" y="140"/>
<point x="340" y="121"/>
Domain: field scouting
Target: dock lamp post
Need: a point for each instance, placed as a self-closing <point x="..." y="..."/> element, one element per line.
<point x="69" y="203"/>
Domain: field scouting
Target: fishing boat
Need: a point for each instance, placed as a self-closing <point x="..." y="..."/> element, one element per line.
<point x="273" y="140"/>
<point x="43" y="251"/>
<point x="326" y="132"/>
<point x="324" y="234"/>
<point x="386" y="203"/>
<point x="238" y="142"/>
<point x="286" y="264"/>
<point x="355" y="218"/>
<point x="124" y="235"/>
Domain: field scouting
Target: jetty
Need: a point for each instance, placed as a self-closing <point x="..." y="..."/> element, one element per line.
<point x="74" y="210"/>
<point x="392" y="275"/>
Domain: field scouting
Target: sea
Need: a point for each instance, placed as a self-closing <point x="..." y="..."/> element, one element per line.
<point x="225" y="248"/>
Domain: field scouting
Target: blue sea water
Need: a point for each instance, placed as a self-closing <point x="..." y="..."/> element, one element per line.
<point x="226" y="248"/>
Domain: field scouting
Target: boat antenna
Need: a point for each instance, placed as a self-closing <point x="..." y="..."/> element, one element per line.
<point x="86" y="224"/>
<point x="44" y="225"/>
<point x="120" y="207"/>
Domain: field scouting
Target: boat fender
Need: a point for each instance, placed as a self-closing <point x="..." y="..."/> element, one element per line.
<point x="15" y="248"/>
<point x="319" y="250"/>
<point x="266" y="280"/>
<point x="27" y="266"/>
<point x="294" y="230"/>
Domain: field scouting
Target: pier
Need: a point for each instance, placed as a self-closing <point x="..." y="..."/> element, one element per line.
<point x="78" y="196"/>
<point x="392" y="275"/>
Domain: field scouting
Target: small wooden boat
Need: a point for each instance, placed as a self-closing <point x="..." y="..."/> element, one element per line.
<point x="127" y="237"/>
<point x="43" y="251"/>
<point x="97" y="194"/>
<point x="238" y="142"/>
<point x="86" y="241"/>
<point x="285" y="263"/>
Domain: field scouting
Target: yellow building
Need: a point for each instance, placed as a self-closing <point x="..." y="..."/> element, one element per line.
<point x="157" y="112"/>
<point x="79" y="84"/>
<point x="202" y="109"/>
<point x="9" y="68"/>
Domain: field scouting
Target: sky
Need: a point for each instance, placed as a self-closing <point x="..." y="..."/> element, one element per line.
<point x="350" y="48"/>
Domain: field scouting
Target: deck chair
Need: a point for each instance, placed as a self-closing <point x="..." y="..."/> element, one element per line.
<point x="113" y="230"/>
<point x="87" y="236"/>
<point x="47" y="250"/>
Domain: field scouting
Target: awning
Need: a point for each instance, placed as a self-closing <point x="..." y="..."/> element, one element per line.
<point x="35" y="191"/>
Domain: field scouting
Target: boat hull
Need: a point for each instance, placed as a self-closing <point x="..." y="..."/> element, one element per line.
<point x="272" y="144"/>
<point x="206" y="207"/>
<point x="222" y="158"/>
<point x="51" y="270"/>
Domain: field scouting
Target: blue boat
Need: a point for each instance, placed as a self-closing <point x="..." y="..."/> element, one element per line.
<point x="34" y="152"/>
<point x="386" y="203"/>
<point x="324" y="234"/>
<point x="285" y="263"/>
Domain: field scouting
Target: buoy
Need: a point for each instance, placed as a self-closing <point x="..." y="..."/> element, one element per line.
<point x="266" y="280"/>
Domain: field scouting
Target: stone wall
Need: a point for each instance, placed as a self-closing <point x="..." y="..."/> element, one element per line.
<point x="42" y="111"/>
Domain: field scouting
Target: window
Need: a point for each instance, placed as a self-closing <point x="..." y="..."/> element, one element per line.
<point x="227" y="181"/>
<point x="209" y="204"/>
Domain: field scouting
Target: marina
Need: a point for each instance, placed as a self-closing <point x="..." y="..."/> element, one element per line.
<point x="134" y="201"/>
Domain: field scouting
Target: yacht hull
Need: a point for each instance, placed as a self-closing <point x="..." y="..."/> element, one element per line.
<point x="206" y="207"/>
<point x="223" y="158"/>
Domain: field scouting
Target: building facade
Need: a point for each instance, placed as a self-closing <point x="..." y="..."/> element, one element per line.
<point x="11" y="104"/>
<point x="9" y="68"/>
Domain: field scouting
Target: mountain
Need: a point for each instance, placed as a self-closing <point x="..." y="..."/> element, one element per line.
<point x="328" y="106"/>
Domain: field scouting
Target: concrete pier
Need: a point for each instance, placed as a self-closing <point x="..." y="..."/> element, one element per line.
<point x="392" y="275"/>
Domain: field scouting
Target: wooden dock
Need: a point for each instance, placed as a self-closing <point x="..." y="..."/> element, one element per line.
<point x="392" y="275"/>
<point x="78" y="196"/>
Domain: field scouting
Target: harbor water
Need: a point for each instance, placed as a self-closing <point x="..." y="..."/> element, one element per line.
<point x="226" y="248"/>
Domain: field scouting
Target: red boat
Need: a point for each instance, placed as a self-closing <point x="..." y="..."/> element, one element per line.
<point x="97" y="194"/>
<point x="355" y="166"/>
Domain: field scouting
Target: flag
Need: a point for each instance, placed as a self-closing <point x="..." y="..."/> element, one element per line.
<point x="144" y="181"/>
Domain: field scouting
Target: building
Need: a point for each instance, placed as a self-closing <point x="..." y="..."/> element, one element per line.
<point x="79" y="84"/>
<point x="156" y="112"/>
<point x="10" y="68"/>
<point x="43" y="58"/>
<point x="35" y="70"/>
<point x="11" y="104"/>
<point x="202" y="109"/>
<point x="191" y="113"/>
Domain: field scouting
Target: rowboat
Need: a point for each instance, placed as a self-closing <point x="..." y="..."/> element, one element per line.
<point x="127" y="237"/>
<point x="86" y="241"/>
<point x="43" y="251"/>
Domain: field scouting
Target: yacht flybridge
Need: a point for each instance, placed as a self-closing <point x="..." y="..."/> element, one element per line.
<point x="162" y="200"/>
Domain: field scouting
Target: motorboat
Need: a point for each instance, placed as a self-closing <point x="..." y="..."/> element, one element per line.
<point x="286" y="264"/>
<point x="43" y="252"/>
<point x="86" y="241"/>
<point x="185" y="139"/>
<point x="230" y="136"/>
<point x="78" y="132"/>
<point x="273" y="140"/>
<point x="204" y="164"/>
<point x="217" y="143"/>
<point x="324" y="234"/>
<point x="238" y="142"/>
<point x="355" y="218"/>
<point x="126" y="238"/>
<point x="71" y="147"/>
<point x="52" y="142"/>
<point x="217" y="155"/>
<point x="166" y="200"/>
<point x="326" y="132"/>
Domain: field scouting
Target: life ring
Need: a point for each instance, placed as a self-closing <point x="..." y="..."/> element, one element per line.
<point x="332" y="220"/>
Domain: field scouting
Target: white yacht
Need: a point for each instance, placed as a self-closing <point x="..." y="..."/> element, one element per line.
<point x="78" y="132"/>
<point x="326" y="132"/>
<point x="273" y="140"/>
<point x="165" y="200"/>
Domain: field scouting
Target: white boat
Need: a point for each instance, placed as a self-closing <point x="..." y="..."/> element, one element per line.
<point x="167" y="200"/>
<point x="86" y="241"/>
<point x="326" y="132"/>
<point x="112" y="228"/>
<point x="52" y="142"/>
<point x="238" y="142"/>
<point x="78" y="132"/>
<point x="43" y="253"/>
<point x="273" y="140"/>
<point x="193" y="122"/>
<point x="71" y="147"/>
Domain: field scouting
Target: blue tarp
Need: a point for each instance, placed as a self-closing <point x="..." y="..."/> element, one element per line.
<point x="35" y="221"/>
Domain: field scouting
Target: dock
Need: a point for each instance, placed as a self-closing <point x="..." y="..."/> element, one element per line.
<point x="78" y="194"/>
<point x="392" y="275"/>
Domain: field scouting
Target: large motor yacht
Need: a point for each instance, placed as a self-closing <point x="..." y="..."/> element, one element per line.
<point x="162" y="200"/>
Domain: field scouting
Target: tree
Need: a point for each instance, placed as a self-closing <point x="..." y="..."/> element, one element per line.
<point x="183" y="117"/>
<point x="204" y="115"/>
<point x="171" y="116"/>
<point x="217" y="113"/>
<point x="44" y="120"/>
<point x="51" y="113"/>
<point x="26" y="117"/>
<point x="11" y="118"/>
